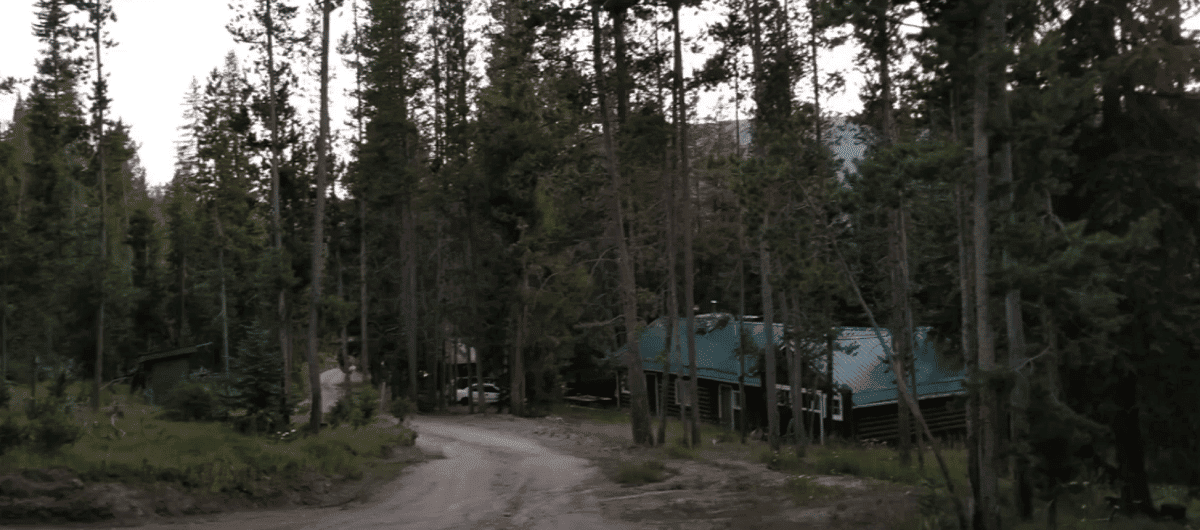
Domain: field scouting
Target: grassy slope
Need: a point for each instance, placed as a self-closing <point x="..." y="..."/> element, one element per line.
<point x="204" y="455"/>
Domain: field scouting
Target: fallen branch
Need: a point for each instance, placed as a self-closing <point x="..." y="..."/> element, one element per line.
<point x="900" y="384"/>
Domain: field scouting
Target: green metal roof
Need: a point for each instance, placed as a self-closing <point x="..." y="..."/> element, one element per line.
<point x="859" y="362"/>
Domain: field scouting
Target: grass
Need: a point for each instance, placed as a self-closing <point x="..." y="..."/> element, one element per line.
<point x="205" y="456"/>
<point x="803" y="489"/>
<point x="573" y="412"/>
<point x="638" y="473"/>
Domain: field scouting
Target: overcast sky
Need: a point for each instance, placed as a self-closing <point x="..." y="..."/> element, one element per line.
<point x="164" y="44"/>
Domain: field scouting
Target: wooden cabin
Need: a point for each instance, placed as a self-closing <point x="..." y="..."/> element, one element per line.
<point x="860" y="404"/>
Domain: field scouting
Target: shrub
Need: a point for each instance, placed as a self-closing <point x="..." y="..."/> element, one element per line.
<point x="41" y="408"/>
<point x="192" y="401"/>
<point x="12" y="434"/>
<point x="51" y="432"/>
<point x="357" y="408"/>
<point x="401" y="408"/>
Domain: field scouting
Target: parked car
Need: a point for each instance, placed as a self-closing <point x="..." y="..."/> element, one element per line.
<point x="491" y="394"/>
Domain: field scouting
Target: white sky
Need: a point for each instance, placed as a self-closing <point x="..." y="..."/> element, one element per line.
<point x="164" y="44"/>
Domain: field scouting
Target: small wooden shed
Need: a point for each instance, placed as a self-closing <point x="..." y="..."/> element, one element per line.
<point x="158" y="373"/>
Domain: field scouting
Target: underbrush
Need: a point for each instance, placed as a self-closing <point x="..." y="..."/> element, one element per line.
<point x="139" y="444"/>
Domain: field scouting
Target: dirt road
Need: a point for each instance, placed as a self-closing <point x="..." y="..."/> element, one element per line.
<point x="487" y="479"/>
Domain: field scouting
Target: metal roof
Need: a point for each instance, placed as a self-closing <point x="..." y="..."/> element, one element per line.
<point x="858" y="361"/>
<point x="187" y="350"/>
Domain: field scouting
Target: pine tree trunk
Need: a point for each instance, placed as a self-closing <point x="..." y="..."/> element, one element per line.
<point x="899" y="335"/>
<point x="410" y="295"/>
<point x="639" y="404"/>
<point x="670" y="203"/>
<point x="989" y="488"/>
<point x="481" y="396"/>
<point x="101" y="182"/>
<point x="364" y="356"/>
<point x="689" y="262"/>
<point x="517" y="367"/>
<point x="1019" y="397"/>
<point x="741" y="316"/>
<point x="910" y="329"/>
<point x="764" y="256"/>
<point x="285" y="340"/>
<point x="796" y="379"/>
<point x="224" y="305"/>
<point x="343" y="351"/>
<point x="966" y="286"/>
<point x="318" y="243"/>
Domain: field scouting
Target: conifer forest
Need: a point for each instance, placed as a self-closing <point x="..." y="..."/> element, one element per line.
<point x="533" y="179"/>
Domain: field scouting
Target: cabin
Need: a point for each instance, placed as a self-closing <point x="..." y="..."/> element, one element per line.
<point x="860" y="403"/>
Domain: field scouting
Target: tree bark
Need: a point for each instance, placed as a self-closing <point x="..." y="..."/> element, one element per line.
<point x="224" y="306"/>
<point x="101" y="181"/>
<point x="285" y="340"/>
<point x="741" y="325"/>
<point x="989" y="488"/>
<point x="481" y="396"/>
<point x="364" y="355"/>
<point x="1019" y="397"/>
<point x="671" y="204"/>
<point x="318" y="243"/>
<point x="764" y="256"/>
<point x="517" y="366"/>
<point x="796" y="378"/>
<point x="899" y="334"/>
<point x="689" y="262"/>
<point x="966" y="286"/>
<point x="639" y="404"/>
<point x="410" y="295"/>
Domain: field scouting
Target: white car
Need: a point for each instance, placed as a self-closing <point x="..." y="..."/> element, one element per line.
<point x="491" y="394"/>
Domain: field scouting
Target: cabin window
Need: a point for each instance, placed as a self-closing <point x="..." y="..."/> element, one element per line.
<point x="736" y="401"/>
<point x="837" y="407"/>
